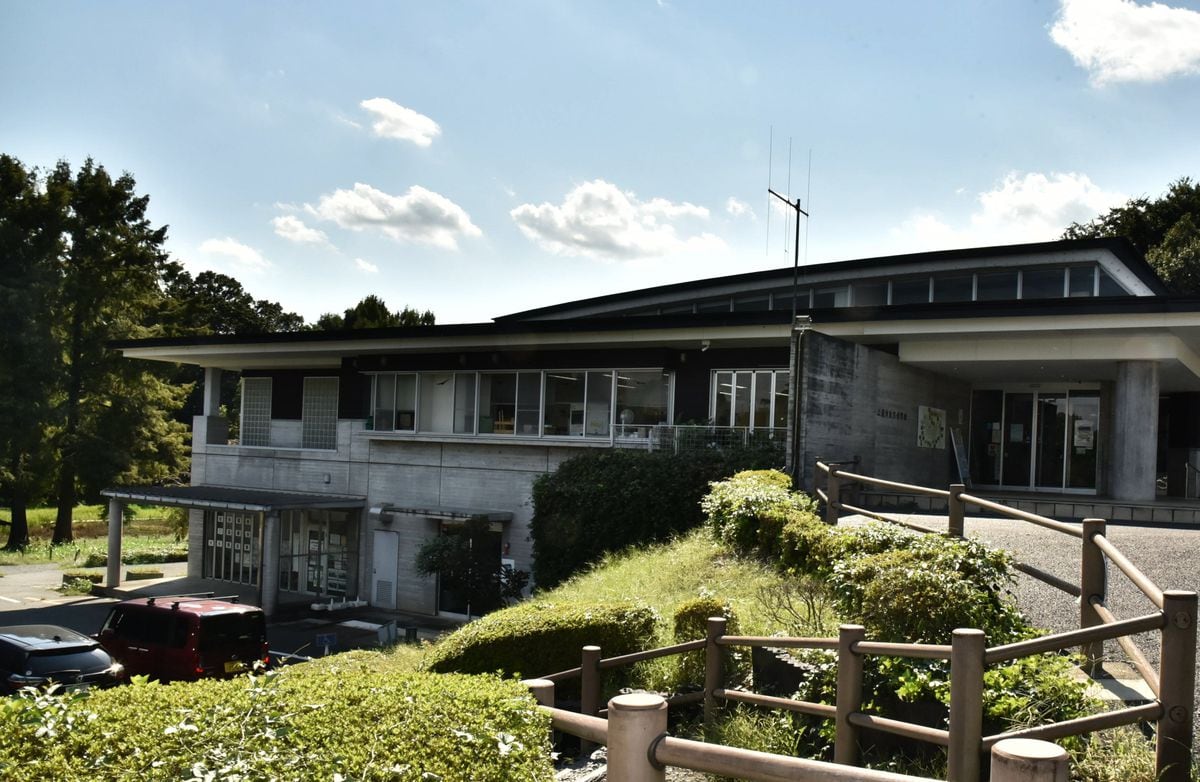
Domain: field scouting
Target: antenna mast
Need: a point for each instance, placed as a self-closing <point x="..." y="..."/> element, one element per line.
<point x="795" y="248"/>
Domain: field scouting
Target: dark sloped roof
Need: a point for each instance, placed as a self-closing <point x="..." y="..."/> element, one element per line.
<point x="231" y="498"/>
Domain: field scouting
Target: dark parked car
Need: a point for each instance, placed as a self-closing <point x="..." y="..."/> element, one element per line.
<point x="33" y="655"/>
<point x="185" y="637"/>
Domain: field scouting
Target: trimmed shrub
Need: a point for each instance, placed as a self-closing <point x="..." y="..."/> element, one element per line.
<point x="691" y="623"/>
<point x="926" y="587"/>
<point x="145" y="556"/>
<point x="610" y="500"/>
<point x="78" y="574"/>
<point x="538" y="638"/>
<point x="749" y="510"/>
<point x="299" y="723"/>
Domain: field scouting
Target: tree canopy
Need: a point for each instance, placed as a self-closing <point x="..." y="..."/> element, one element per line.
<point x="373" y="313"/>
<point x="1165" y="229"/>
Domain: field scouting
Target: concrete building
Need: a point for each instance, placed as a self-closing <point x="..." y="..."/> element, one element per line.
<point x="1060" y="369"/>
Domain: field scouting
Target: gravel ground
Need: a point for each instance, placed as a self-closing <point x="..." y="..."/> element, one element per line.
<point x="1167" y="555"/>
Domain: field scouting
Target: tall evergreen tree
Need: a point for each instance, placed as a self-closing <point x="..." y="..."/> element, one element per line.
<point x="30" y="242"/>
<point x="373" y="313"/>
<point x="109" y="277"/>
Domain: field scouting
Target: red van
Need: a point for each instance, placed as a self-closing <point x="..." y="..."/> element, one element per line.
<point x="185" y="637"/>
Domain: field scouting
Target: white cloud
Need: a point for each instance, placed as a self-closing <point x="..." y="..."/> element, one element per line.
<point x="597" y="219"/>
<point x="365" y="266"/>
<point x="738" y="208"/>
<point x="1032" y="207"/>
<point x="420" y="215"/>
<point x="1122" y="41"/>
<point x="241" y="258"/>
<point x="395" y="121"/>
<point x="293" y="229"/>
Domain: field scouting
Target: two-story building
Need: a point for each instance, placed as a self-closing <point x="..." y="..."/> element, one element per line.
<point x="1061" y="368"/>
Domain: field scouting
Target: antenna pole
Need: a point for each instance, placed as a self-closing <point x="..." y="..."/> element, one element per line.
<point x="795" y="249"/>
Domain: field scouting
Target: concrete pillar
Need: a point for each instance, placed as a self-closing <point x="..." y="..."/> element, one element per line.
<point x="635" y="721"/>
<point x="1029" y="760"/>
<point x="212" y="391"/>
<point x="1133" y="463"/>
<point x="269" y="581"/>
<point x="116" y="514"/>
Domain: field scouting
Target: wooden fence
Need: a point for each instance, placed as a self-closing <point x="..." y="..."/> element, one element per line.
<point x="1173" y="683"/>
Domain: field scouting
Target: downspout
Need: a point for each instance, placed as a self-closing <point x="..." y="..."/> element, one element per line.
<point x="794" y="443"/>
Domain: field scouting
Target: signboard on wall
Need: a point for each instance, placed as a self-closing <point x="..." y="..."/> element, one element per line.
<point x="931" y="427"/>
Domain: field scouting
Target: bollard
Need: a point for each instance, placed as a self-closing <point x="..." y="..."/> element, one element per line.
<point x="1029" y="760"/>
<point x="849" y="694"/>
<point x="833" y="492"/>
<point x="542" y="691"/>
<point x="635" y="722"/>
<point x="1177" y="687"/>
<point x="713" y="679"/>
<point x="966" y="704"/>
<point x="589" y="689"/>
<point x="1092" y="585"/>
<point x="954" y="510"/>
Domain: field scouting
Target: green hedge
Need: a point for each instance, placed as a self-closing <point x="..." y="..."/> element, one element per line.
<point x="302" y="723"/>
<point x="610" y="500"/>
<point x="749" y="510"/>
<point x="538" y="638"/>
<point x="141" y="556"/>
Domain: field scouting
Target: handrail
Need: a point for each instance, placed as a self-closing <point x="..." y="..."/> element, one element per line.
<point x="650" y="654"/>
<point x="1102" y="721"/>
<point x="777" y="642"/>
<point x="1060" y="641"/>
<point x="919" y="651"/>
<point x="881" y="517"/>
<point x="886" y="484"/>
<point x="1016" y="513"/>
<point x="899" y="728"/>
<point x="1048" y="578"/>
<point x="1131" y="571"/>
<point x="772" y="702"/>
<point x="582" y="725"/>
<point x="749" y="764"/>
<point x="1136" y="658"/>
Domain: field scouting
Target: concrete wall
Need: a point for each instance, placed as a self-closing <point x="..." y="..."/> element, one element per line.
<point x="401" y="471"/>
<point x="1133" y="467"/>
<point x="855" y="401"/>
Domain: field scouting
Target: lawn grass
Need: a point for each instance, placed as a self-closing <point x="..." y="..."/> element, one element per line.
<point x="90" y="521"/>
<point x="71" y="555"/>
<point x="665" y="575"/>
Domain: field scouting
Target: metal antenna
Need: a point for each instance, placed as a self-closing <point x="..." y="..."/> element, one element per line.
<point x="795" y="249"/>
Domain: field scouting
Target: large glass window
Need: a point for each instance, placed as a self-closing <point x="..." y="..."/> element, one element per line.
<point x="255" y="426"/>
<point x="911" y="291"/>
<point x="781" y="299"/>
<point x="318" y="552"/>
<point x="1042" y="283"/>
<point x="529" y="403"/>
<point x="1109" y="286"/>
<point x="996" y="286"/>
<point x="870" y="294"/>
<point x="563" y="406"/>
<point x="831" y="297"/>
<point x="643" y="400"/>
<point x="1081" y="281"/>
<point x="509" y="403"/>
<point x="318" y="415"/>
<point x="956" y="288"/>
<point x="752" y="302"/>
<point x="598" y="414"/>
<point x="750" y="398"/>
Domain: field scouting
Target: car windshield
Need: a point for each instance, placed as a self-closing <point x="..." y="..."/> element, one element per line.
<point x="231" y="629"/>
<point x="81" y="659"/>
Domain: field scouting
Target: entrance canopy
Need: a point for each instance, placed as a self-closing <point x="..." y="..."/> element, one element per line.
<point x="230" y="498"/>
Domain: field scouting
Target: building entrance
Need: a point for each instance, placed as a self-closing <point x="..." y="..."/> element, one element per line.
<point x="1035" y="440"/>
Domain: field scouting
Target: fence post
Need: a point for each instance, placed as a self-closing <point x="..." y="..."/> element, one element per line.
<point x="1177" y="683"/>
<point x="833" y="492"/>
<point x="635" y="721"/>
<point x="954" y="510"/>
<point x="713" y="673"/>
<point x="542" y="691"/>
<point x="1093" y="579"/>
<point x="589" y="689"/>
<point x="1029" y="760"/>
<point x="849" y="694"/>
<point x="966" y="704"/>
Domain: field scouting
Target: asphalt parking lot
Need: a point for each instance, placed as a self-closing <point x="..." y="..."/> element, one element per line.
<point x="28" y="596"/>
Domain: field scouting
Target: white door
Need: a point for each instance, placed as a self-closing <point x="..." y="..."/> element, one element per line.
<point x="386" y="548"/>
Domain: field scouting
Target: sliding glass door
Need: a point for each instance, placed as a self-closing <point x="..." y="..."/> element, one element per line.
<point x="1043" y="440"/>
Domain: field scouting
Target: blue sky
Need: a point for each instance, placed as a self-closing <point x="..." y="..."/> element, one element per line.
<point x="478" y="159"/>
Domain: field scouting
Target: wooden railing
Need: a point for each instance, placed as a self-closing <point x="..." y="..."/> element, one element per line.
<point x="1173" y="683"/>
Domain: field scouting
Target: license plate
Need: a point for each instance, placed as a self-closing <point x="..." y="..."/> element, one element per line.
<point x="234" y="666"/>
